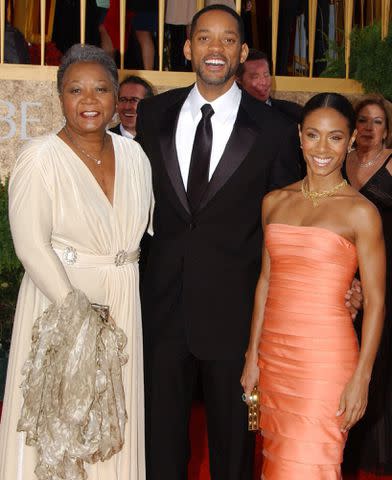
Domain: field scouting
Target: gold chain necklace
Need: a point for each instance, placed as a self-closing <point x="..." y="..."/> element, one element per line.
<point x="370" y="162"/>
<point x="97" y="161"/>
<point x="316" y="196"/>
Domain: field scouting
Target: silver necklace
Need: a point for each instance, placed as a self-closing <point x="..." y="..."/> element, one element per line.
<point x="370" y="162"/>
<point x="97" y="161"/>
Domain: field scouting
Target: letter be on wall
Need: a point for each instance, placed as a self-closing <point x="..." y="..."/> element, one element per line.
<point x="10" y="114"/>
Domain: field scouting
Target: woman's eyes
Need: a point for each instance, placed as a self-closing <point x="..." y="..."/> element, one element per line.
<point x="77" y="90"/>
<point x="311" y="135"/>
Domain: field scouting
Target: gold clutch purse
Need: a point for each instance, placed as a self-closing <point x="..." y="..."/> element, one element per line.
<point x="254" y="411"/>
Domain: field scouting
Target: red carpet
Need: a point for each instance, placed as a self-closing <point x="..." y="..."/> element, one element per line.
<point x="199" y="465"/>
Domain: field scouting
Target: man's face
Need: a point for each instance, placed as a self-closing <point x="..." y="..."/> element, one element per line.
<point x="215" y="49"/>
<point x="256" y="79"/>
<point x="129" y="97"/>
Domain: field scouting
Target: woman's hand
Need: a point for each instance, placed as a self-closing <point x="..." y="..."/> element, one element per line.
<point x="354" y="298"/>
<point x="250" y="374"/>
<point x="353" y="401"/>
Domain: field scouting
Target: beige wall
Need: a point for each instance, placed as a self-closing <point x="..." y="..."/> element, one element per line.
<point x="29" y="104"/>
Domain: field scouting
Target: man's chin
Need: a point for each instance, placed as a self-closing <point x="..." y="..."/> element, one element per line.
<point x="215" y="80"/>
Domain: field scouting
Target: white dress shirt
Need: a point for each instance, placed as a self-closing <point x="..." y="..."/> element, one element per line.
<point x="125" y="133"/>
<point x="226" y="110"/>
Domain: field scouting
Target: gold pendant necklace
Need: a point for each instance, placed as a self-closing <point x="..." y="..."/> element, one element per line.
<point x="315" y="197"/>
<point x="97" y="161"/>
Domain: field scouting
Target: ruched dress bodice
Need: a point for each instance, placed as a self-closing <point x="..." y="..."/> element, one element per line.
<point x="308" y="351"/>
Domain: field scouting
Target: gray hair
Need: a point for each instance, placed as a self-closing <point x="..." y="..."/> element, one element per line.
<point x="79" y="53"/>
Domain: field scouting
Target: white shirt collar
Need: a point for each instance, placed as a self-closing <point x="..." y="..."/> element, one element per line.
<point x="223" y="106"/>
<point x="125" y="133"/>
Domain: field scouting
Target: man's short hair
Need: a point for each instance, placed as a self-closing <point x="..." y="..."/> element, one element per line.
<point x="223" y="8"/>
<point x="134" y="79"/>
<point x="252" y="56"/>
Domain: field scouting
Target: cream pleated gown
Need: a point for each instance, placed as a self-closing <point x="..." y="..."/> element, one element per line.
<point x="59" y="214"/>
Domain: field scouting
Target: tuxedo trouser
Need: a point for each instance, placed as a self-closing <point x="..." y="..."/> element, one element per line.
<point x="171" y="378"/>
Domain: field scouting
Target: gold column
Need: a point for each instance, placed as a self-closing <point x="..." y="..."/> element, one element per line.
<point x="275" y="23"/>
<point x="42" y="32"/>
<point x="161" y="32"/>
<point x="312" y="5"/>
<point x="2" y="29"/>
<point x="386" y="10"/>
<point x="238" y="6"/>
<point x="348" y="22"/>
<point x="199" y="5"/>
<point x="83" y="21"/>
<point x="122" y="32"/>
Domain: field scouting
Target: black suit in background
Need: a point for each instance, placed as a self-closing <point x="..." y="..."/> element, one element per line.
<point x="202" y="269"/>
<point x="291" y="110"/>
<point x="116" y="129"/>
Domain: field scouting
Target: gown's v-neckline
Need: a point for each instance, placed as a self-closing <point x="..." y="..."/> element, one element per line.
<point x="90" y="173"/>
<point x="361" y="187"/>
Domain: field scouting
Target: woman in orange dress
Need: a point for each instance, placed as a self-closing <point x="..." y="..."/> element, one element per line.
<point x="303" y="352"/>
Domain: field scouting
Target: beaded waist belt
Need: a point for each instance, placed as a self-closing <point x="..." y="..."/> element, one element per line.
<point x="70" y="256"/>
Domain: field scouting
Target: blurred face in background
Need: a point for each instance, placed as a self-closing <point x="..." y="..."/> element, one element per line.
<point x="256" y="79"/>
<point x="129" y="97"/>
<point x="371" y="127"/>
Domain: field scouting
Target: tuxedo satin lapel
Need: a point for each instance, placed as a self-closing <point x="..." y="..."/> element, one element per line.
<point x="169" y="151"/>
<point x="240" y="143"/>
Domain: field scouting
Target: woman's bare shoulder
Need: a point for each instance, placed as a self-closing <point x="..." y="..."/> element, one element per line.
<point x="282" y="193"/>
<point x="279" y="196"/>
<point x="363" y="212"/>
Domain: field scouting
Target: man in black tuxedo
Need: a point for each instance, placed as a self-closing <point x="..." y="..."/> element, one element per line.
<point x="254" y="75"/>
<point x="211" y="168"/>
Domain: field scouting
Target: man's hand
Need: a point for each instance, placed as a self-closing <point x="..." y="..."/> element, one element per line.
<point x="354" y="298"/>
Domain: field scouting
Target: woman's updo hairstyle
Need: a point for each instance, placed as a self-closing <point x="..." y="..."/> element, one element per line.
<point x="330" y="100"/>
<point x="80" y="53"/>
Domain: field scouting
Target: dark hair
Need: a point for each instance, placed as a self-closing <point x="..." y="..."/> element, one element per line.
<point x="223" y="8"/>
<point x="135" y="80"/>
<point x="253" y="55"/>
<point x="330" y="100"/>
<point x="381" y="103"/>
<point x="80" y="53"/>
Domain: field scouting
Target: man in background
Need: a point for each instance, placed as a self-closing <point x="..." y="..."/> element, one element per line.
<point x="132" y="90"/>
<point x="255" y="77"/>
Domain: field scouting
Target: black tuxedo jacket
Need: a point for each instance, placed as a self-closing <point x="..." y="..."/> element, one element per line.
<point x="291" y="109"/>
<point x="116" y="129"/>
<point x="206" y="265"/>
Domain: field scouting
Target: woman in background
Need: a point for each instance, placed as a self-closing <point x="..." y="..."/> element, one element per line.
<point x="369" y="170"/>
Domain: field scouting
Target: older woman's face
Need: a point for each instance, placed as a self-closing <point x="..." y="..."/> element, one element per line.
<point x="87" y="98"/>
<point x="371" y="127"/>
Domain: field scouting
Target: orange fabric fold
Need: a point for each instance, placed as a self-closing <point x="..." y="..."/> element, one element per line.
<point x="308" y="351"/>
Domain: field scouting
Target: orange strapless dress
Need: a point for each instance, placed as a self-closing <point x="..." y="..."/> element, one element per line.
<point x="308" y="351"/>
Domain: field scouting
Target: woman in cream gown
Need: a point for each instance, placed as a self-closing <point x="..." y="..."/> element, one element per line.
<point x="68" y="235"/>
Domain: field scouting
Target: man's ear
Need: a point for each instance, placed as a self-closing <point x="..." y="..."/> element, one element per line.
<point x="188" y="50"/>
<point x="244" y="52"/>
